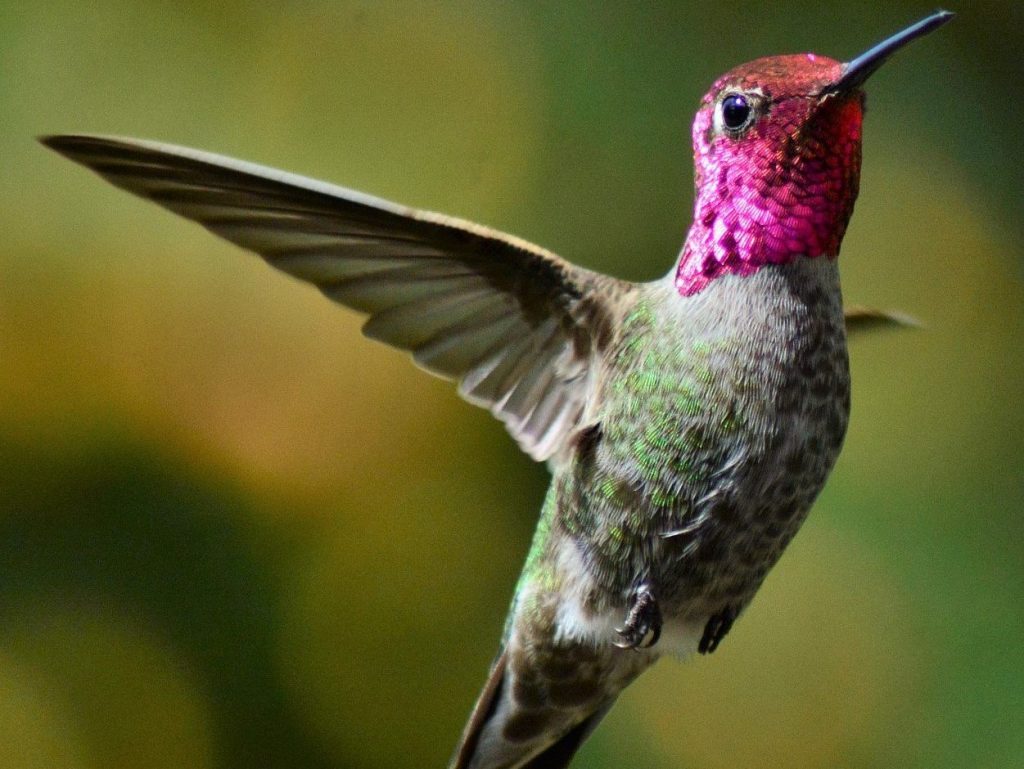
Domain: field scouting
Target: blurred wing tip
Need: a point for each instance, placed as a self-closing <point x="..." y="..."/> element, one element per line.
<point x="897" y="318"/>
<point x="64" y="142"/>
<point x="54" y="141"/>
<point x="862" y="318"/>
<point x="59" y="143"/>
<point x="87" y="149"/>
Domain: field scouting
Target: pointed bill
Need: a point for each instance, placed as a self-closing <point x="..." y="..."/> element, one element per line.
<point x="858" y="70"/>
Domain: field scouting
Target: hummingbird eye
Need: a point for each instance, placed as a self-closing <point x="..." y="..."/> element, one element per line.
<point x="736" y="112"/>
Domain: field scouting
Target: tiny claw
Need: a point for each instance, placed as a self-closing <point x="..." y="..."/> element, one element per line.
<point x="642" y="628"/>
<point x="716" y="629"/>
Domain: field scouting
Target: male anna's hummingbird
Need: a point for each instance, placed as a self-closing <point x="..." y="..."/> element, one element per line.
<point x="689" y="423"/>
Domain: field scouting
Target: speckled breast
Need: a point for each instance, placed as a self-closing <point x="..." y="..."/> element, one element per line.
<point x="721" y="417"/>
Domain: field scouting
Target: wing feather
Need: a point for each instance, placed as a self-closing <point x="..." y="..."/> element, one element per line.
<point x="860" y="319"/>
<point x="519" y="328"/>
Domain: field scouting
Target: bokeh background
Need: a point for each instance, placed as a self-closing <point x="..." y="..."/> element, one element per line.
<point x="235" y="534"/>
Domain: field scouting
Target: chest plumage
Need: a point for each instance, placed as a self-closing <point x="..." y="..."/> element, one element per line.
<point x="719" y="418"/>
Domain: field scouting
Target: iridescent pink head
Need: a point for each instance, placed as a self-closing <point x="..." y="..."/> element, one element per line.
<point x="777" y="148"/>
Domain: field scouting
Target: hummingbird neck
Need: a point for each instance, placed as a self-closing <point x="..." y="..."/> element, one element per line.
<point x="740" y="238"/>
<point x="771" y="199"/>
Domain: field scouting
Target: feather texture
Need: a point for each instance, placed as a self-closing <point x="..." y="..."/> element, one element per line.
<point x="517" y="326"/>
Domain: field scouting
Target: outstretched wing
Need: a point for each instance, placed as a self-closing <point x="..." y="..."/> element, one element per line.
<point x="517" y="326"/>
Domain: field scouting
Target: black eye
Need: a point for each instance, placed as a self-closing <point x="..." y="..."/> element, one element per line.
<point x="735" y="111"/>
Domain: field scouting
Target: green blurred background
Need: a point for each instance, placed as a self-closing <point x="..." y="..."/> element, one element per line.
<point x="235" y="534"/>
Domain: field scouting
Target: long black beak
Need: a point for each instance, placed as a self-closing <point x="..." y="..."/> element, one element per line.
<point x="860" y="69"/>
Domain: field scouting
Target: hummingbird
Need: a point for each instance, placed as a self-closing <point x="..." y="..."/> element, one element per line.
<point x="689" y="423"/>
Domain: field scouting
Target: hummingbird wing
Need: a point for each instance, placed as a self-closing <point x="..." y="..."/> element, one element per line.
<point x="868" y="318"/>
<point x="517" y="326"/>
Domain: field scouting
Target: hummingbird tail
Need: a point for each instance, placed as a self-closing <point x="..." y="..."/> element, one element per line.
<point x="537" y="708"/>
<point x="559" y="754"/>
<point x="483" y="711"/>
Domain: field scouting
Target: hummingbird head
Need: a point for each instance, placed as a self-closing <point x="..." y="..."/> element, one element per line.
<point x="777" y="149"/>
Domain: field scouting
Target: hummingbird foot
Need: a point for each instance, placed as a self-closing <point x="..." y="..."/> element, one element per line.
<point x="717" y="628"/>
<point x="643" y="621"/>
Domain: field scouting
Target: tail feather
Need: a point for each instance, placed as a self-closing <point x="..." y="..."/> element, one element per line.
<point x="483" y="711"/>
<point x="559" y="754"/>
<point x="537" y="708"/>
